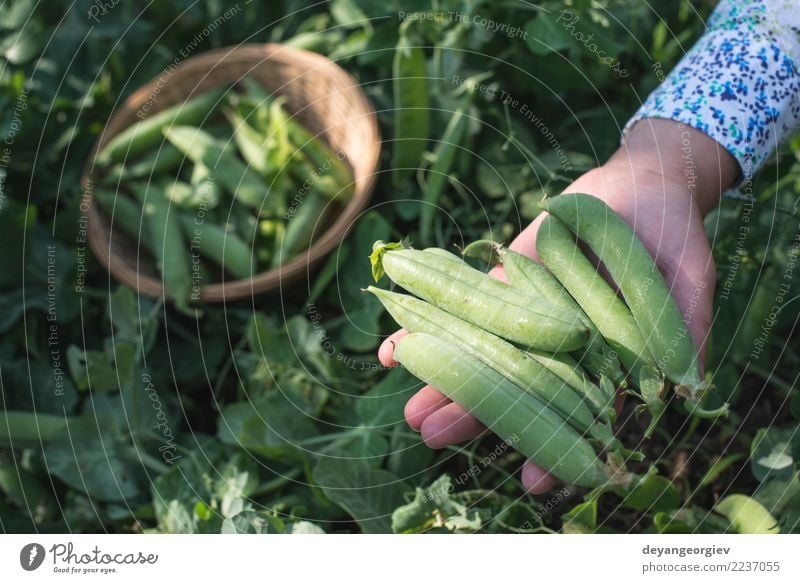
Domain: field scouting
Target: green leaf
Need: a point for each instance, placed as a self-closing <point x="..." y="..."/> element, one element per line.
<point x="367" y="494"/>
<point x="581" y="519"/>
<point x="32" y="385"/>
<point x="654" y="494"/>
<point x="747" y="516"/>
<point x="13" y="304"/>
<point x="131" y="316"/>
<point x="305" y="527"/>
<point x="376" y="257"/>
<point x="383" y="404"/>
<point x="771" y="453"/>
<point x="434" y="509"/>
<point x="691" y="520"/>
<point x="205" y="488"/>
<point x="794" y="404"/>
<point x="95" y="456"/>
<point x="92" y="369"/>
<point x="782" y="499"/>
<point x="15" y="15"/>
<point x="16" y="222"/>
<point x="26" y="44"/>
<point x="666" y="523"/>
<point x="362" y="331"/>
<point x="26" y="491"/>
<point x="269" y="426"/>
<point x="545" y="36"/>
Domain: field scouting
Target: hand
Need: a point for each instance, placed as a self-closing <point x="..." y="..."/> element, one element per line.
<point x="663" y="181"/>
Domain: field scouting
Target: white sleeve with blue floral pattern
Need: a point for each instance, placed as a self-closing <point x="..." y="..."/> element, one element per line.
<point x="739" y="83"/>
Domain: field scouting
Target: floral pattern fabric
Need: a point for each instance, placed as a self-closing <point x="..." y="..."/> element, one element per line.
<point x="739" y="84"/>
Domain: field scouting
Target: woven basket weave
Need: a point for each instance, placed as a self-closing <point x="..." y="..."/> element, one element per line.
<point x="320" y="94"/>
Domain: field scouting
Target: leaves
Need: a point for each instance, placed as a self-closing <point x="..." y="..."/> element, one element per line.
<point x="771" y="453"/>
<point x="368" y="495"/>
<point x="206" y="491"/>
<point x="654" y="494"/>
<point x="546" y="35"/>
<point x="434" y="509"/>
<point x="269" y="426"/>
<point x="95" y="455"/>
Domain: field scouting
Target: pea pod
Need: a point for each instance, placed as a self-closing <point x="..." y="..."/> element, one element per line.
<point x="124" y="214"/>
<point x="651" y="303"/>
<point x="223" y="248"/>
<point x="566" y="368"/>
<point x="169" y="246"/>
<point x="302" y="169"/>
<point x="148" y="133"/>
<point x="161" y="161"/>
<point x="562" y="257"/>
<point x="417" y="316"/>
<point x="314" y="147"/>
<point x="444" y="156"/>
<point x="524" y="273"/>
<point x="515" y="416"/>
<point x="201" y="148"/>
<point x="301" y="226"/>
<point x="562" y="365"/>
<point x="411" y="106"/>
<point x="206" y="188"/>
<point x="479" y="299"/>
<point x="251" y="143"/>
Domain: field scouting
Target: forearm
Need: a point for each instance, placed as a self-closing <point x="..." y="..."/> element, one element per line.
<point x="739" y="84"/>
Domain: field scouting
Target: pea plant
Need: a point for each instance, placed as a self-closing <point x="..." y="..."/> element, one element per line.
<point x="124" y="413"/>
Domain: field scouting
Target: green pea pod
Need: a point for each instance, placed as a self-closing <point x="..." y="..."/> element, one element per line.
<point x="157" y="163"/>
<point x="417" y="316"/>
<point x="148" y="133"/>
<point x="125" y="214"/>
<point x="324" y="184"/>
<point x="411" y="106"/>
<point x="651" y="303"/>
<point x="244" y="223"/>
<point x="444" y="156"/>
<point x="169" y="245"/>
<point x="301" y="226"/>
<point x="524" y="273"/>
<point x="566" y="368"/>
<point x="185" y="195"/>
<point x="233" y="176"/>
<point x="251" y="143"/>
<point x="480" y="299"/>
<point x="514" y="415"/>
<point x="216" y="244"/>
<point x="314" y="147"/>
<point x="206" y="186"/>
<point x="564" y="259"/>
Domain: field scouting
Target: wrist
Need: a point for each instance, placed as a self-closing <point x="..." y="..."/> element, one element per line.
<point x="683" y="157"/>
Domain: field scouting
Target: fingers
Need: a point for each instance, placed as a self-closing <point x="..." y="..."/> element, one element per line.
<point x="424" y="403"/>
<point x="449" y="425"/>
<point x="535" y="479"/>
<point x="525" y="242"/>
<point x="386" y="350"/>
<point x="498" y="273"/>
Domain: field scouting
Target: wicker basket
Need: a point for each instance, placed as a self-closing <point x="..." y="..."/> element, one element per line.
<point x="322" y="96"/>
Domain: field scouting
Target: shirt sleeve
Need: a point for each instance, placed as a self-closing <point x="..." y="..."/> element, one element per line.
<point x="739" y="84"/>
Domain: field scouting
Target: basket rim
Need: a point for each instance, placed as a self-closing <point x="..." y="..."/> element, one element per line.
<point x="99" y="228"/>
